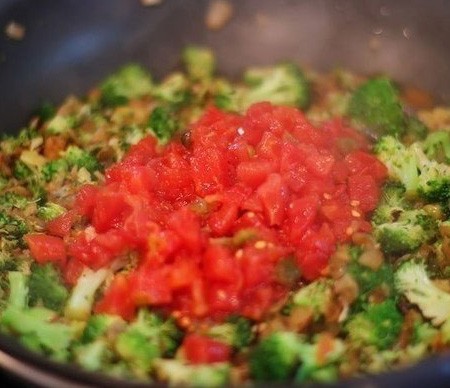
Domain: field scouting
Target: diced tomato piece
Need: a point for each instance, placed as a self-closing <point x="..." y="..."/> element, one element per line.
<point x="61" y="225"/>
<point x="117" y="299"/>
<point x="302" y="213"/>
<point x="200" y="349"/>
<point x="220" y="265"/>
<point x="221" y="222"/>
<point x="86" y="200"/>
<point x="184" y="222"/>
<point x="254" y="172"/>
<point x="150" y="286"/>
<point x="72" y="271"/>
<point x="273" y="194"/>
<point x="364" y="189"/>
<point x="45" y="248"/>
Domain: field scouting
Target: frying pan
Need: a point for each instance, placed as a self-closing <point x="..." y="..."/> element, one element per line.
<point x="70" y="45"/>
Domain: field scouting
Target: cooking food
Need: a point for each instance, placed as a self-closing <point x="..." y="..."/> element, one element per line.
<point x="292" y="226"/>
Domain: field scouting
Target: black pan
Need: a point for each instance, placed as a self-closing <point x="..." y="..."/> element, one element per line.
<point x="70" y="45"/>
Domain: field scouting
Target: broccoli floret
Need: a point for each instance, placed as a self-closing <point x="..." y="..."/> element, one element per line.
<point x="61" y="124"/>
<point x="36" y="327"/>
<point x="199" y="62"/>
<point x="378" y="325"/>
<point x="176" y="373"/>
<point x="413" y="282"/>
<point x="46" y="111"/>
<point x="275" y="358"/>
<point x="368" y="279"/>
<point x="162" y="123"/>
<point x="46" y="288"/>
<point x="319" y="366"/>
<point x="437" y="146"/>
<point x="174" y="90"/>
<point x="100" y="325"/>
<point x="76" y="157"/>
<point x="50" y="211"/>
<point x="10" y="144"/>
<point x="146" y="339"/>
<point x="227" y="96"/>
<point x="316" y="295"/>
<point x="94" y="356"/>
<point x="283" y="84"/>
<point x="415" y="130"/>
<point x="131" y="81"/>
<point x="10" y="200"/>
<point x="409" y="231"/>
<point x="54" y="168"/>
<point x="21" y="171"/>
<point x="392" y="203"/>
<point x="12" y="228"/>
<point x="82" y="296"/>
<point x="237" y="332"/>
<point x="409" y="165"/>
<point x="376" y="105"/>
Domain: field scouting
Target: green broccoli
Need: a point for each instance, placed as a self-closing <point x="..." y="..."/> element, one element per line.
<point x="409" y="165"/>
<point x="146" y="339"/>
<point x="276" y="357"/>
<point x="173" y="90"/>
<point x="11" y="227"/>
<point x="46" y="288"/>
<point x="131" y="81"/>
<point x="392" y="203"/>
<point x="102" y="325"/>
<point x="407" y="233"/>
<point x="46" y="111"/>
<point x="367" y="278"/>
<point x="437" y="146"/>
<point x="227" y="96"/>
<point x="50" y="211"/>
<point x="61" y="124"/>
<point x="76" y="157"/>
<point x="10" y="144"/>
<point x="57" y="167"/>
<point x="315" y="367"/>
<point x="415" y="130"/>
<point x="316" y="295"/>
<point x="377" y="325"/>
<point x="162" y="123"/>
<point x="376" y="105"/>
<point x="283" y="84"/>
<point x="11" y="200"/>
<point x="94" y="356"/>
<point x="81" y="299"/>
<point x="36" y="327"/>
<point x="21" y="171"/>
<point x="199" y="62"/>
<point x="237" y="332"/>
<point x="176" y="373"/>
<point x="413" y="282"/>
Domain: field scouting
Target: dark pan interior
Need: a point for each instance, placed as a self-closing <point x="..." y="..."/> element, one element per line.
<point x="70" y="45"/>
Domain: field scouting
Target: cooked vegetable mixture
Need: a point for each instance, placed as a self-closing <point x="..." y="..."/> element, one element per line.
<point x="287" y="227"/>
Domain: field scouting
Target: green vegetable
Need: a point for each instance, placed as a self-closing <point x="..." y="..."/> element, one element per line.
<point x="316" y="295"/>
<point x="12" y="228"/>
<point x="199" y="62"/>
<point x="413" y="282"/>
<point x="46" y="287"/>
<point x="9" y="200"/>
<point x="376" y="104"/>
<point x="176" y="373"/>
<point x="50" y="211"/>
<point x="162" y="123"/>
<point x="76" y="157"/>
<point x="131" y="81"/>
<point x="174" y="90"/>
<point x="436" y="146"/>
<point x="275" y="357"/>
<point x="378" y="325"/>
<point x="283" y="84"/>
<point x="237" y="332"/>
<point x="410" y="166"/>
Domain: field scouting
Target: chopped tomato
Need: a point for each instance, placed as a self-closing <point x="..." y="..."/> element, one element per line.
<point x="208" y="222"/>
<point x="61" y="225"/>
<point x="45" y="248"/>
<point x="199" y="349"/>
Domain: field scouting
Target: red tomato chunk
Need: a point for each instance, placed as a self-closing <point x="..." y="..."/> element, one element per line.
<point x="210" y="221"/>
